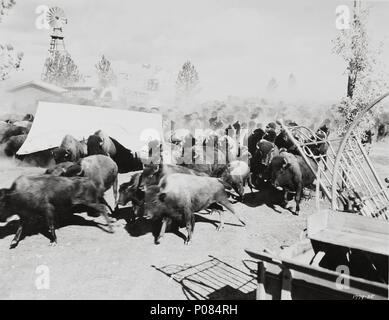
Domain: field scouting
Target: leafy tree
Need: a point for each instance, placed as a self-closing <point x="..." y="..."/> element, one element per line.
<point x="292" y="82"/>
<point x="366" y="80"/>
<point x="61" y="70"/>
<point x="105" y="72"/>
<point x="9" y="59"/>
<point x="187" y="84"/>
<point x="5" y="5"/>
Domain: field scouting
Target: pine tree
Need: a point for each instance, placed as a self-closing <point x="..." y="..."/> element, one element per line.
<point x="187" y="84"/>
<point x="61" y="70"/>
<point x="105" y="73"/>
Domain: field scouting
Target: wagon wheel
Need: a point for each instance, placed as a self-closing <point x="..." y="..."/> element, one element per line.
<point x="361" y="178"/>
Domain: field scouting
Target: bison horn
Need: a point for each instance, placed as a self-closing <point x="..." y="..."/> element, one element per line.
<point x="285" y="163"/>
<point x="101" y="143"/>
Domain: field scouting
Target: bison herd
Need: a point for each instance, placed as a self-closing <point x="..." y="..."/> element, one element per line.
<point x="13" y="132"/>
<point x="170" y="181"/>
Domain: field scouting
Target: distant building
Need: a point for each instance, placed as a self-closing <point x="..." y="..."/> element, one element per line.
<point x="81" y="91"/>
<point x="146" y="84"/>
<point x="26" y="95"/>
<point x="38" y="87"/>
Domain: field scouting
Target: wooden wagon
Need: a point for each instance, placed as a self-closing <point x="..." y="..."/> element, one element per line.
<point x="346" y="250"/>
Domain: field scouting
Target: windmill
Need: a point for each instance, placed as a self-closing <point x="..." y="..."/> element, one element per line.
<point x="57" y="19"/>
<point x="59" y="68"/>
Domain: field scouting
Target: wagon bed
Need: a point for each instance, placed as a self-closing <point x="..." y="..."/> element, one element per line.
<point x="296" y="272"/>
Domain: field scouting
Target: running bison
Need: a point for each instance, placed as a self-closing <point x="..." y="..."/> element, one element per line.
<point x="178" y="196"/>
<point x="48" y="196"/>
<point x="102" y="170"/>
<point x="265" y="151"/>
<point x="291" y="173"/>
<point x="150" y="176"/>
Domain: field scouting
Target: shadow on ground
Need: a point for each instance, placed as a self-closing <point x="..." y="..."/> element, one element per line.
<point x="38" y="225"/>
<point x="266" y="195"/>
<point x="140" y="226"/>
<point x="212" y="280"/>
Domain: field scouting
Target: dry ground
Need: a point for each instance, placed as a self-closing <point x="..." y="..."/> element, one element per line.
<point x="89" y="263"/>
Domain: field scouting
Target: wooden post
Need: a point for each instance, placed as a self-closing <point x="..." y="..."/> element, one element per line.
<point x="286" y="289"/>
<point x="261" y="272"/>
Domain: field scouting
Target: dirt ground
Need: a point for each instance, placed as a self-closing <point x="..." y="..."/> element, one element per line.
<point x="89" y="263"/>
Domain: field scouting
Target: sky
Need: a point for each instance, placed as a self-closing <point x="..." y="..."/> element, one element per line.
<point x="236" y="46"/>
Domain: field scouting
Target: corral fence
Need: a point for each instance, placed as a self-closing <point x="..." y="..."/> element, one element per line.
<point x="345" y="173"/>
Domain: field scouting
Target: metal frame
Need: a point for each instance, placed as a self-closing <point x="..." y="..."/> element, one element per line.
<point x="346" y="169"/>
<point x="342" y="147"/>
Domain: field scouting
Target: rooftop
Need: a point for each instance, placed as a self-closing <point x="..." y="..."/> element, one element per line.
<point x="44" y="86"/>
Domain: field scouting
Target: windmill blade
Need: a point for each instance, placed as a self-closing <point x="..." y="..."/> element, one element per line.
<point x="56" y="17"/>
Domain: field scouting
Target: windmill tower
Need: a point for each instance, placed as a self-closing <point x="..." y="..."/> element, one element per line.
<point x="57" y="53"/>
<point x="56" y="19"/>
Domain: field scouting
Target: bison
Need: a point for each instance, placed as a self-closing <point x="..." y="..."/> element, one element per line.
<point x="100" y="143"/>
<point x="265" y="151"/>
<point x="25" y="124"/>
<point x="60" y="168"/>
<point x="12" y="118"/>
<point x="291" y="173"/>
<point x="253" y="139"/>
<point x="9" y="130"/>
<point x="283" y="141"/>
<point x="13" y="144"/>
<point x="42" y="158"/>
<point x="102" y="170"/>
<point x="237" y="175"/>
<point x="126" y="160"/>
<point x="48" y="196"/>
<point x="132" y="191"/>
<point x="178" y="196"/>
<point x="151" y="175"/>
<point x="70" y="150"/>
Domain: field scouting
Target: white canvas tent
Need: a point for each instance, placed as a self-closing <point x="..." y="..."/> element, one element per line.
<point x="54" y="120"/>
